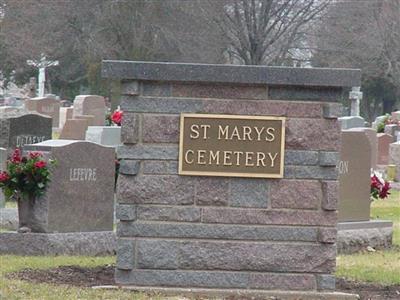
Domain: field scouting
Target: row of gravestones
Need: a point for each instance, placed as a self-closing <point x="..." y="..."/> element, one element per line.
<point x="87" y="110"/>
<point x="81" y="193"/>
<point x="80" y="196"/>
<point x="84" y="120"/>
<point x="357" y="122"/>
<point x="80" y="177"/>
<point x="361" y="152"/>
<point x="385" y="146"/>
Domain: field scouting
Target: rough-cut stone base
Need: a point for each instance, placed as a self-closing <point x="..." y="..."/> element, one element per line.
<point x="251" y="294"/>
<point x="82" y="243"/>
<point x="357" y="236"/>
<point x="9" y="218"/>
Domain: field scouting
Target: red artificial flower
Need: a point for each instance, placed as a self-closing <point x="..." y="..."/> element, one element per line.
<point x="384" y="192"/>
<point x="116" y="117"/>
<point x="375" y="182"/>
<point x="40" y="164"/>
<point x="16" y="156"/>
<point x="35" y="154"/>
<point x="4" y="176"/>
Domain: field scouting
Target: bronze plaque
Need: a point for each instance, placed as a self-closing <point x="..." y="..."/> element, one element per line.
<point x="231" y="145"/>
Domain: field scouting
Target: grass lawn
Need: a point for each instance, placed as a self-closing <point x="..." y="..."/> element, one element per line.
<point x="16" y="289"/>
<point x="381" y="266"/>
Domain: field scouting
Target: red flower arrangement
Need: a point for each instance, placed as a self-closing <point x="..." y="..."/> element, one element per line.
<point x="25" y="175"/>
<point x="379" y="187"/>
<point x="116" y="117"/>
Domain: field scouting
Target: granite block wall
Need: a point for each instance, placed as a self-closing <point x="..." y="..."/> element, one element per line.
<point x="220" y="232"/>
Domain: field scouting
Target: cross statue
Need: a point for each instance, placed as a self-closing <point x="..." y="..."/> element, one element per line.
<point x="42" y="64"/>
<point x="355" y="98"/>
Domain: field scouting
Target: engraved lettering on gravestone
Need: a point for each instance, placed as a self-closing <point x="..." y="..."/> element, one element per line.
<point x="343" y="167"/>
<point x="82" y="174"/>
<point x="225" y="145"/>
<point x="28" y="139"/>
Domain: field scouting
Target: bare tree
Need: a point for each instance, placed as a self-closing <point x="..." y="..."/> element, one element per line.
<point x="80" y="33"/>
<point x="269" y="31"/>
<point x="365" y="35"/>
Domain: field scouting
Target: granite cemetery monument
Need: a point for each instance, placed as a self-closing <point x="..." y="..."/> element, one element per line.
<point x="394" y="157"/>
<point x="355" y="229"/>
<point x="20" y="129"/>
<point x="74" y="129"/>
<point x="384" y="140"/>
<point x="65" y="114"/>
<point x="269" y="222"/>
<point x="392" y="129"/>
<point x="354" y="176"/>
<point x="80" y="197"/>
<point x="104" y="135"/>
<point x="373" y="142"/>
<point x="91" y="105"/>
<point x="48" y="106"/>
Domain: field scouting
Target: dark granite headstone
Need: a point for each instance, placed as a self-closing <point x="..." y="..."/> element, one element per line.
<point x="80" y="196"/>
<point x="17" y="130"/>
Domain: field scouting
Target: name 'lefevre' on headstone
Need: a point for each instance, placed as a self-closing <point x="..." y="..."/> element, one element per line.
<point x="226" y="145"/>
<point x="82" y="174"/>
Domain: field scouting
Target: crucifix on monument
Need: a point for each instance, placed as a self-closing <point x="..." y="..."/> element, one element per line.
<point x="42" y="64"/>
<point x="355" y="98"/>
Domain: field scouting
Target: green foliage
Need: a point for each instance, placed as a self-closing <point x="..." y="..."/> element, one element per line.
<point x="380" y="128"/>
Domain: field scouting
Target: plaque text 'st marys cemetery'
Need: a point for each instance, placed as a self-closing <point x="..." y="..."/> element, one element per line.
<point x="225" y="145"/>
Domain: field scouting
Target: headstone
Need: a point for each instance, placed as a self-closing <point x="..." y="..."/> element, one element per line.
<point x="17" y="130"/>
<point x="3" y="166"/>
<point x="74" y="129"/>
<point x="351" y="122"/>
<point x="80" y="196"/>
<point x="373" y="141"/>
<point x="394" y="157"/>
<point x="65" y="114"/>
<point x="396" y="115"/>
<point x="355" y="97"/>
<point x="354" y="177"/>
<point x="180" y="229"/>
<point x="48" y="106"/>
<point x="384" y="140"/>
<point x="91" y="105"/>
<point x="88" y="118"/>
<point x="392" y="129"/>
<point x="104" y="135"/>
